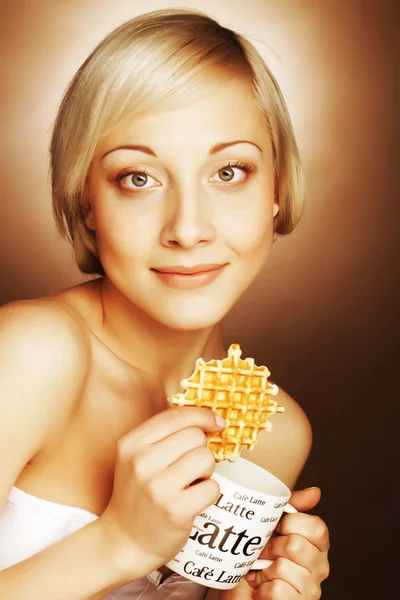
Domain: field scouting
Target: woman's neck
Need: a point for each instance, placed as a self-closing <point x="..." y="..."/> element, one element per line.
<point x="167" y="355"/>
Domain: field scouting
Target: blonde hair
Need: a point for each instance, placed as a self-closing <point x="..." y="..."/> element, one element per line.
<point x="160" y="57"/>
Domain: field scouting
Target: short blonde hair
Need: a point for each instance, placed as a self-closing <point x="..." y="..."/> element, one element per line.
<point x="158" y="58"/>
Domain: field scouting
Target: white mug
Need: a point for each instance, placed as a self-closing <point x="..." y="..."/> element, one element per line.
<point x="228" y="536"/>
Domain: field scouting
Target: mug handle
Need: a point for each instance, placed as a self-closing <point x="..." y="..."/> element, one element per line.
<point x="264" y="563"/>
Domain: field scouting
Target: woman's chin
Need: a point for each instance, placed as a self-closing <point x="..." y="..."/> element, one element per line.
<point x="191" y="319"/>
<point x="190" y="324"/>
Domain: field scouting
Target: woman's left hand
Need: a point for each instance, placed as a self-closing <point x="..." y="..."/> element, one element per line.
<point x="300" y="554"/>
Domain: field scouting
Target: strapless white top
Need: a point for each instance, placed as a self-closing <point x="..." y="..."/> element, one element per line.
<point x="29" y="524"/>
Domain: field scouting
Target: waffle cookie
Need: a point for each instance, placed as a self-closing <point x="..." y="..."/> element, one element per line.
<point x="237" y="390"/>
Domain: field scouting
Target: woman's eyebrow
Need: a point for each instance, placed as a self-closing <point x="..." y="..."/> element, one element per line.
<point x="216" y="148"/>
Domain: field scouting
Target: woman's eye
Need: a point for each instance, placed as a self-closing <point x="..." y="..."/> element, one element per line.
<point x="226" y="174"/>
<point x="135" y="180"/>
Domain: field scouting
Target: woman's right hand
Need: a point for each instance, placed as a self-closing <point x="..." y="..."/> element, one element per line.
<point x="153" y="504"/>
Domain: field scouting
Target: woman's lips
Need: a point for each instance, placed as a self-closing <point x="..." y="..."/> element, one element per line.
<point x="189" y="281"/>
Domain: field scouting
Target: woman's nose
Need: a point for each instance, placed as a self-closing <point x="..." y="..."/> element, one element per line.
<point x="188" y="220"/>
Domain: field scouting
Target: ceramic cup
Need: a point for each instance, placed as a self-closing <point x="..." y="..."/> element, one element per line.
<point x="228" y="536"/>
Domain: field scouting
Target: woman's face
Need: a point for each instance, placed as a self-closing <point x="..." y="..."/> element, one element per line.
<point x="186" y="189"/>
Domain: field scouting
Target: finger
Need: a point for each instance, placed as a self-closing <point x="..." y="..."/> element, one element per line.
<point x="196" y="464"/>
<point x="159" y="456"/>
<point x="299" y="550"/>
<point x="305" y="499"/>
<point x="166" y="423"/>
<point x="266" y="552"/>
<point x="197" y="497"/>
<point x="286" y="570"/>
<point x="276" y="590"/>
<point x="310" y="527"/>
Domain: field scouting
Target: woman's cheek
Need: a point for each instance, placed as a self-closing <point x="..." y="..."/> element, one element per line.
<point x="249" y="230"/>
<point x="125" y="231"/>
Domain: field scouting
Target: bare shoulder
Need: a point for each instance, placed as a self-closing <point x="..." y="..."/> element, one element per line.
<point x="44" y="363"/>
<point x="285" y="449"/>
<point x="41" y="333"/>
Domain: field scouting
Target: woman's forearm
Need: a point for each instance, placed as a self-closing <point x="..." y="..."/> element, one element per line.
<point x="82" y="566"/>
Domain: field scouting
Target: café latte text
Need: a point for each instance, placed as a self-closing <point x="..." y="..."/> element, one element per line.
<point x="208" y="574"/>
<point x="227" y="540"/>
<point x="235" y="509"/>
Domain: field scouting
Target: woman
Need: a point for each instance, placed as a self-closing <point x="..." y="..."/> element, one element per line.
<point x="173" y="166"/>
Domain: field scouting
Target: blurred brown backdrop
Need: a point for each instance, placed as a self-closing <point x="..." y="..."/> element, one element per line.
<point x="322" y="316"/>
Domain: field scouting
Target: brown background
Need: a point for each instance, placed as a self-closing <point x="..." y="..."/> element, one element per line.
<point x="322" y="315"/>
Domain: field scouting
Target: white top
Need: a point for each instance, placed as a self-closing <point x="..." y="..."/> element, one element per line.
<point x="29" y="524"/>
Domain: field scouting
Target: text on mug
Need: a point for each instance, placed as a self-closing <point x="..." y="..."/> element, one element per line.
<point x="238" y="510"/>
<point x="250" y="499"/>
<point x="207" y="573"/>
<point x="214" y="540"/>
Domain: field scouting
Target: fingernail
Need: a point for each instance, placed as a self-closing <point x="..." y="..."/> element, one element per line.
<point x="220" y="421"/>
<point x="314" y="488"/>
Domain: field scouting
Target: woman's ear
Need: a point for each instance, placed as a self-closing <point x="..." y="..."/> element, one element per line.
<point x="275" y="210"/>
<point x="89" y="221"/>
<point x="86" y="208"/>
<point x="276" y="197"/>
<point x="276" y="203"/>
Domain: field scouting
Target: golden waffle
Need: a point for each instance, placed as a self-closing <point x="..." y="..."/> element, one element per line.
<point x="237" y="390"/>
